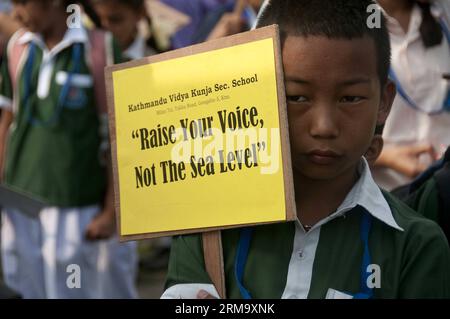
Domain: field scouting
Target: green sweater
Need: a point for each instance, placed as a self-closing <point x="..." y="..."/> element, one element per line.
<point x="414" y="263"/>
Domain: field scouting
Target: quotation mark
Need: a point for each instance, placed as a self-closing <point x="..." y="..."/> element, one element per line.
<point x="261" y="146"/>
<point x="135" y="134"/>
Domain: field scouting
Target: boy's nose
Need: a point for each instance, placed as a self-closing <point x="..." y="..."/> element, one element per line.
<point x="323" y="122"/>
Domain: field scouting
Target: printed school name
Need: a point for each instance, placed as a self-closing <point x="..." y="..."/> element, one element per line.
<point x="196" y="92"/>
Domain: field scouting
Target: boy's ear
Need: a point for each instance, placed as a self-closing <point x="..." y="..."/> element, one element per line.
<point x="375" y="148"/>
<point x="387" y="98"/>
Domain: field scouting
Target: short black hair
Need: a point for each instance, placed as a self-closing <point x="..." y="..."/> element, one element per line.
<point x="133" y="4"/>
<point x="345" y="19"/>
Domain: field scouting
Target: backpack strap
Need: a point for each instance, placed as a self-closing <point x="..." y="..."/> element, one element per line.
<point x="98" y="61"/>
<point x="100" y="56"/>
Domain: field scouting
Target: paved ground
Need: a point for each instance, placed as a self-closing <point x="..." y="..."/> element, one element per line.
<point x="153" y="262"/>
<point x="151" y="284"/>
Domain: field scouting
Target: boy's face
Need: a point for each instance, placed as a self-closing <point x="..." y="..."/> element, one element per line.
<point x="334" y="103"/>
<point x="34" y="15"/>
<point x="120" y="19"/>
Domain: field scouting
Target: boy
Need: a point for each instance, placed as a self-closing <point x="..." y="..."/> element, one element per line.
<point x="51" y="125"/>
<point x="123" y="19"/>
<point x="351" y="240"/>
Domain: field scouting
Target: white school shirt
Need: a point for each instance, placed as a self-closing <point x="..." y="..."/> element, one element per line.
<point x="138" y="49"/>
<point x="419" y="71"/>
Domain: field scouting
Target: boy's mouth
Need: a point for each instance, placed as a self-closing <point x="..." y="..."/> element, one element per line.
<point x="323" y="157"/>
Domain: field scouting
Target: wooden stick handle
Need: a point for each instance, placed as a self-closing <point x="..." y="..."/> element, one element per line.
<point x="212" y="249"/>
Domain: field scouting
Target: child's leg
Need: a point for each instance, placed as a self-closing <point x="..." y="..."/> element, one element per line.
<point x="49" y="223"/>
<point x="107" y="269"/>
<point x="122" y="270"/>
<point x="77" y="272"/>
<point x="21" y="254"/>
<point x="40" y="257"/>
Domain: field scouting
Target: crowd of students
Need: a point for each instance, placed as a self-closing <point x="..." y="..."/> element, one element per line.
<point x="367" y="108"/>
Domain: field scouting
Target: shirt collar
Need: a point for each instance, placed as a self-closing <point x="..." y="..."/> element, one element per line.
<point x="72" y="35"/>
<point x="413" y="28"/>
<point x="136" y="50"/>
<point x="416" y="20"/>
<point x="367" y="194"/>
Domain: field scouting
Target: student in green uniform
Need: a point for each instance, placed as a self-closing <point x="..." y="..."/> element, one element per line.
<point x="351" y="239"/>
<point x="52" y="129"/>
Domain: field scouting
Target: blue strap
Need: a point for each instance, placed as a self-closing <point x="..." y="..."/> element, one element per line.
<point x="445" y="29"/>
<point x="405" y="96"/>
<point x="402" y="92"/>
<point x="241" y="259"/>
<point x="244" y="245"/>
<point x="76" y="60"/>
<point x="249" y="15"/>
<point x="29" y="70"/>
<point x="366" y="225"/>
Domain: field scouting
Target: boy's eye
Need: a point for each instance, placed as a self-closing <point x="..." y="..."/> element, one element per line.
<point x="297" y="98"/>
<point x="351" y="99"/>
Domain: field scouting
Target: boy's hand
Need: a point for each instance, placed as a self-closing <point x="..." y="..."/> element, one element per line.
<point x="406" y="159"/>
<point x="229" y="24"/>
<point x="103" y="226"/>
<point x="203" y="294"/>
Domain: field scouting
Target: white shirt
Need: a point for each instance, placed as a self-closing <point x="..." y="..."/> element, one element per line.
<point x="419" y="71"/>
<point x="138" y="49"/>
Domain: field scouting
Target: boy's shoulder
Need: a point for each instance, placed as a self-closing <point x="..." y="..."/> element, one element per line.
<point x="230" y="237"/>
<point x="187" y="264"/>
<point x="414" y="225"/>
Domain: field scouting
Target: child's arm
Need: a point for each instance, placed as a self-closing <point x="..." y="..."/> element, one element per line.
<point x="103" y="226"/>
<point x="229" y="23"/>
<point x="187" y="275"/>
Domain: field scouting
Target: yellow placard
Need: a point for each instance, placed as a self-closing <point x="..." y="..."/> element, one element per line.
<point x="197" y="142"/>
